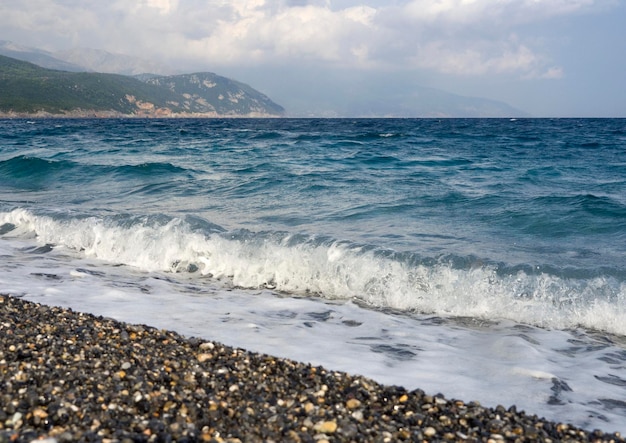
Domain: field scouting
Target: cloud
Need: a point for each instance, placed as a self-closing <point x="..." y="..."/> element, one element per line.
<point x="55" y="19"/>
<point x="505" y="58"/>
<point x="164" y="6"/>
<point x="554" y="72"/>
<point x="488" y="12"/>
<point x="456" y="37"/>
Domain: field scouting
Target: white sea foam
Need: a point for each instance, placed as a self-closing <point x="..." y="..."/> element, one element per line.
<point x="334" y="270"/>
<point x="552" y="373"/>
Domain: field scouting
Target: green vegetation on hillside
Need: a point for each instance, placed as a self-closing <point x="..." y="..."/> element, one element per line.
<point x="28" y="88"/>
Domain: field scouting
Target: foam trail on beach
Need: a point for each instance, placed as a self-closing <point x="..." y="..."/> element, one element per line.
<point x="335" y="270"/>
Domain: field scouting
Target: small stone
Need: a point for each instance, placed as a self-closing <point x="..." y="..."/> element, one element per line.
<point x="358" y="415"/>
<point x="445" y="420"/>
<point x="169" y="405"/>
<point x="320" y="393"/>
<point x="204" y="357"/>
<point x="309" y="407"/>
<point x="353" y="403"/>
<point x="404" y="434"/>
<point x="16" y="420"/>
<point x="430" y="431"/>
<point x="39" y="413"/>
<point x="326" y="427"/>
<point x="562" y="427"/>
<point x="293" y="436"/>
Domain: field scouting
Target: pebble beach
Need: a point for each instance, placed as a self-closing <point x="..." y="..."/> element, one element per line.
<point x="68" y="376"/>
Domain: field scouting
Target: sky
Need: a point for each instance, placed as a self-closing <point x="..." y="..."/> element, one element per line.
<point x="549" y="58"/>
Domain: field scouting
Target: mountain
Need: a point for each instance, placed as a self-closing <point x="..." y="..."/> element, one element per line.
<point x="27" y="89"/>
<point x="83" y="60"/>
<point x="345" y="94"/>
<point x="432" y="103"/>
<point x="419" y="102"/>
<point x="220" y="94"/>
<point x="37" y="56"/>
<point x="102" y="61"/>
<point x="342" y="95"/>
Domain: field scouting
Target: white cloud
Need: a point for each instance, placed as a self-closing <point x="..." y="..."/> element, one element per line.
<point x="163" y="6"/>
<point x="554" y="72"/>
<point x="475" y="61"/>
<point x="460" y="37"/>
<point x="463" y="37"/>
<point x="251" y="32"/>
<point x="494" y="12"/>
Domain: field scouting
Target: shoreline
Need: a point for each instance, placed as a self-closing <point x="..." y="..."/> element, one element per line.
<point x="70" y="376"/>
<point x="44" y="115"/>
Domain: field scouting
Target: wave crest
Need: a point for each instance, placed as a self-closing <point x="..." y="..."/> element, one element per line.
<point x="301" y="265"/>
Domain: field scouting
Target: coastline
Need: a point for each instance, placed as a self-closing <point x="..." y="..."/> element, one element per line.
<point x="157" y="114"/>
<point x="70" y="376"/>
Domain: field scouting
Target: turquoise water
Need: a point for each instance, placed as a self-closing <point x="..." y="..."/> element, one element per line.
<point x="469" y="221"/>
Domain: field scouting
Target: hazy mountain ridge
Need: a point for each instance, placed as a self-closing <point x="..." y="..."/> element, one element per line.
<point x="30" y="90"/>
<point x="102" y="61"/>
<point x="39" y="57"/>
<point x="433" y="103"/>
<point x="232" y="98"/>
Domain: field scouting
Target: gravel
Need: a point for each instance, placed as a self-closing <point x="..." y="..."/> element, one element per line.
<point x="67" y="376"/>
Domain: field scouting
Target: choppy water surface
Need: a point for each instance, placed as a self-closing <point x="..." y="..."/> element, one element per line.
<point x="484" y="259"/>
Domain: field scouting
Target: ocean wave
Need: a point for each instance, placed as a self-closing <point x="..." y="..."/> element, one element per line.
<point x="36" y="174"/>
<point x="33" y="173"/>
<point x="24" y="166"/>
<point x="299" y="264"/>
<point x="148" y="169"/>
<point x="33" y="168"/>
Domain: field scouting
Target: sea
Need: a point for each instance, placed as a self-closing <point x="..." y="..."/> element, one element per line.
<point x="482" y="259"/>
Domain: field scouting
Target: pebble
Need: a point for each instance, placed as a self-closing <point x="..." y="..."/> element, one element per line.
<point x="430" y="431"/>
<point x="68" y="376"/>
<point x="326" y="427"/>
<point x="353" y="403"/>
